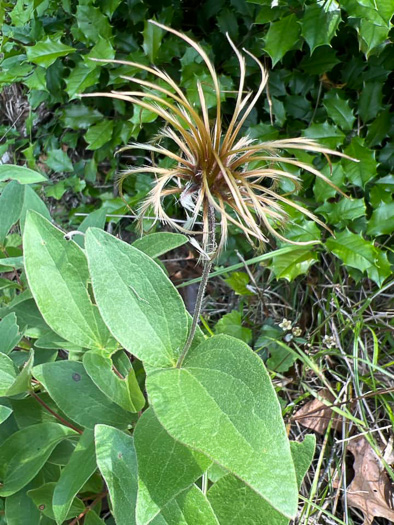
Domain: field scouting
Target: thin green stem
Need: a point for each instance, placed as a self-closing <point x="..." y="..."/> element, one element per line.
<point x="210" y="249"/>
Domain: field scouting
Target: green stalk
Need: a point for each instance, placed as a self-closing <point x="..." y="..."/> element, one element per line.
<point x="210" y="249"/>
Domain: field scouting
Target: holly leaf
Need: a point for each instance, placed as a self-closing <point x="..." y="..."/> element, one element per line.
<point x="358" y="253"/>
<point x="320" y="23"/>
<point x="45" y="53"/>
<point x="282" y="36"/>
<point x="382" y="220"/>
<point x="99" y="134"/>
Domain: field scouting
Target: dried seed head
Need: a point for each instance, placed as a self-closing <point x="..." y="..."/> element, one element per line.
<point x="215" y="166"/>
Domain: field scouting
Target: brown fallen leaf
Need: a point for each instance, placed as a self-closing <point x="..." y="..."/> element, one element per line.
<point x="370" y="490"/>
<point x="316" y="415"/>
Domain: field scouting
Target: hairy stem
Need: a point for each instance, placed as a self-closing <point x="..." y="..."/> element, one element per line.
<point x="210" y="248"/>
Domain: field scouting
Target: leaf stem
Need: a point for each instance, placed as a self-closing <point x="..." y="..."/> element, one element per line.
<point x="62" y="420"/>
<point x="210" y="249"/>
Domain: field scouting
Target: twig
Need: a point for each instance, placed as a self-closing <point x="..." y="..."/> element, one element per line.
<point x="89" y="507"/>
<point x="62" y="420"/>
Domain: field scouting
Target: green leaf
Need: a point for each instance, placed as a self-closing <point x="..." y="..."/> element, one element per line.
<point x="231" y="324"/>
<point x="282" y="36"/>
<point x="117" y="462"/>
<point x="325" y="133"/>
<point x="320" y="23"/>
<point x="157" y="244"/>
<point x="57" y="273"/>
<point x="190" y="507"/>
<point x="221" y="402"/>
<point x="24" y="453"/>
<point x="382" y="220"/>
<point x="42" y="498"/>
<point x="293" y="264"/>
<point x="378" y="129"/>
<point x="342" y="212"/>
<point x="7" y="374"/>
<point x="358" y="253"/>
<point x="99" y="134"/>
<point x="323" y="59"/>
<point x="81" y="77"/>
<point x="234" y="503"/>
<point x="59" y="161"/>
<point x="11" y="203"/>
<point x="20" y="509"/>
<point x="176" y="467"/>
<point x="303" y="453"/>
<point x="359" y="173"/>
<point x="338" y="110"/>
<point x="75" y="474"/>
<point x="78" y="116"/>
<point x="370" y="102"/>
<point x="92" y="24"/>
<point x="33" y="202"/>
<point x="372" y="37"/>
<point x="21" y="174"/>
<point x="153" y="322"/>
<point x="153" y="36"/>
<point x="84" y="403"/>
<point x="5" y="412"/>
<point x="45" y="53"/>
<point x="238" y="281"/>
<point x="23" y="380"/>
<point x="124" y="392"/>
<point x="9" y="333"/>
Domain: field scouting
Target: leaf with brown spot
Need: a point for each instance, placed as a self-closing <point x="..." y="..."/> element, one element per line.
<point x="371" y="489"/>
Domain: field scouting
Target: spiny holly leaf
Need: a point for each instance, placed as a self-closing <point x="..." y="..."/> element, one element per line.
<point x="358" y="253"/>
<point x="382" y="220"/>
<point x="319" y="23"/>
<point x="99" y="134"/>
<point x="338" y="110"/>
<point x="45" y="53"/>
<point x="359" y="173"/>
<point x="293" y="264"/>
<point x="282" y="36"/>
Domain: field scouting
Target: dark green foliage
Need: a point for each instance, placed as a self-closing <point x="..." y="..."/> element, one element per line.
<point x="329" y="80"/>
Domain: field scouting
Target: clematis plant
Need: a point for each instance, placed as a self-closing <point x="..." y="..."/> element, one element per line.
<point x="216" y="170"/>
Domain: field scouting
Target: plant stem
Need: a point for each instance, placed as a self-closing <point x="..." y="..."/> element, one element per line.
<point x="57" y="416"/>
<point x="210" y="249"/>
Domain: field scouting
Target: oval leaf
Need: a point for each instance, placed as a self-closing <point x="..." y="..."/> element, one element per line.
<point x="176" y="467"/>
<point x="75" y="474"/>
<point x="24" y="453"/>
<point x="222" y="403"/>
<point x="57" y="272"/>
<point x="84" y="403"/>
<point x="124" y="392"/>
<point x="141" y="307"/>
<point x="21" y="174"/>
<point x="117" y="462"/>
